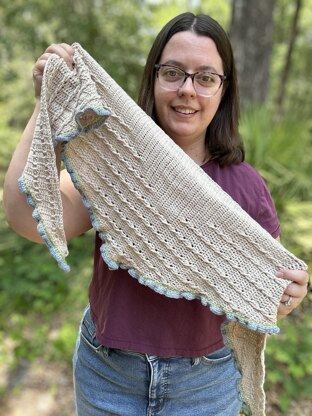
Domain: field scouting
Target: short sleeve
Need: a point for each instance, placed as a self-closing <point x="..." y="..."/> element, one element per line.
<point x="247" y="187"/>
<point x="267" y="215"/>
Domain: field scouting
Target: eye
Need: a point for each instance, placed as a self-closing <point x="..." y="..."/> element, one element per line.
<point x="171" y="73"/>
<point x="206" y="78"/>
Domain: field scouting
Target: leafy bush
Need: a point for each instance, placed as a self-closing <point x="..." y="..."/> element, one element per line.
<point x="289" y="355"/>
<point x="289" y="359"/>
<point x="278" y="149"/>
<point x="42" y="303"/>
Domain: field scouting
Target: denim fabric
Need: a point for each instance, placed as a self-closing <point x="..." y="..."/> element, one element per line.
<point x="116" y="382"/>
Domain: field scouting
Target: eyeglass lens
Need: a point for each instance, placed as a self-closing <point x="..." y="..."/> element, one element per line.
<point x="205" y="83"/>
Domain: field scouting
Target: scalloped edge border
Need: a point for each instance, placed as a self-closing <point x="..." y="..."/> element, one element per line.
<point x="40" y="226"/>
<point x="227" y="342"/>
<point x="112" y="265"/>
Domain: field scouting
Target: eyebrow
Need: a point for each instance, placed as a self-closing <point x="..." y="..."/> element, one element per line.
<point x="180" y="65"/>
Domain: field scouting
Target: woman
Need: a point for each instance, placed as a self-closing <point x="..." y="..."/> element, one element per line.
<point x="138" y="352"/>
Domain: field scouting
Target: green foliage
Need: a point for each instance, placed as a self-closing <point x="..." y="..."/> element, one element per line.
<point x="297" y="216"/>
<point x="30" y="279"/>
<point x="164" y="10"/>
<point x="299" y="87"/>
<point x="34" y="291"/>
<point x="278" y="149"/>
<point x="111" y="31"/>
<point x="289" y="354"/>
<point x="41" y="305"/>
<point x="289" y="359"/>
<point x="62" y="344"/>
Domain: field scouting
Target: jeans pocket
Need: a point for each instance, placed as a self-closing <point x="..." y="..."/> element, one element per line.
<point x="217" y="357"/>
<point x="88" y="333"/>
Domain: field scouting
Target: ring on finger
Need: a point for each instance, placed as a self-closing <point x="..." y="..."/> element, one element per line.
<point x="288" y="301"/>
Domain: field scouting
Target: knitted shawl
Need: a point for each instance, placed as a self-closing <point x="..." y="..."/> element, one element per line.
<point x="158" y="214"/>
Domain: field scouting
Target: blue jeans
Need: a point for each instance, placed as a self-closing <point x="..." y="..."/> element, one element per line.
<point x="115" y="382"/>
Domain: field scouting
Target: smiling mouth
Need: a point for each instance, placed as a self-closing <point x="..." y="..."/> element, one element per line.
<point x="184" y="110"/>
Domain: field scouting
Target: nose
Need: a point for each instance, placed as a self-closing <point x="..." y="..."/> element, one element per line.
<point x="187" y="88"/>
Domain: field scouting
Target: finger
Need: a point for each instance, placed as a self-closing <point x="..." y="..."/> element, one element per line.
<point x="296" y="290"/>
<point x="68" y="48"/>
<point x="291" y="299"/>
<point x="294" y="300"/>
<point x="64" y="51"/>
<point x="284" y="298"/>
<point x="297" y="294"/>
<point x="38" y="73"/>
<point x="40" y="64"/>
<point x="299" y="276"/>
<point x="290" y="303"/>
<point x="39" y="69"/>
<point x="287" y="306"/>
<point x="285" y="310"/>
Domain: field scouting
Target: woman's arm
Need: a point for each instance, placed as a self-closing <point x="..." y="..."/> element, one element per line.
<point x="17" y="211"/>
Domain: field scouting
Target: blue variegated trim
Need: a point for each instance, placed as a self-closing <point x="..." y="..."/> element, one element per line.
<point x="40" y="227"/>
<point x="113" y="265"/>
<point x="101" y="115"/>
<point x="227" y="342"/>
<point x="190" y="296"/>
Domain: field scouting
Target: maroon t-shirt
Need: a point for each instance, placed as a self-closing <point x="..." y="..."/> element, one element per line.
<point x="131" y="316"/>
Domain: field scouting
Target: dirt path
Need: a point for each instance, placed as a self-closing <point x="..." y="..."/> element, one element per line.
<point x="38" y="389"/>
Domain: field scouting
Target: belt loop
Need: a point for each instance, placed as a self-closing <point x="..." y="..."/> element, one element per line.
<point x="104" y="351"/>
<point x="196" y="361"/>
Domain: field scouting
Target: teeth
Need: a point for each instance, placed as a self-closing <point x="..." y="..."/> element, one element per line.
<point x="185" y="110"/>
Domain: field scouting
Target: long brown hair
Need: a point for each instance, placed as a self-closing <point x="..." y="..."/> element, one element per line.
<point x="222" y="138"/>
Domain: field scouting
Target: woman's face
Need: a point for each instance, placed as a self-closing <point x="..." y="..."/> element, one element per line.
<point x="183" y="114"/>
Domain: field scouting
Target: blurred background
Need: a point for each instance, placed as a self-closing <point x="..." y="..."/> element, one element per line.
<point x="41" y="305"/>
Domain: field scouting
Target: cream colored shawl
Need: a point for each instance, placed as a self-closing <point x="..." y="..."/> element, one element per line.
<point x="158" y="214"/>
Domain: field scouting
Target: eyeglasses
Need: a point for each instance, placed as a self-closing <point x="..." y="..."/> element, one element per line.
<point x="172" y="78"/>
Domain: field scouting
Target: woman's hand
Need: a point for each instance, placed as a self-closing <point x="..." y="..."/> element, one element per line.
<point x="295" y="291"/>
<point x="63" y="50"/>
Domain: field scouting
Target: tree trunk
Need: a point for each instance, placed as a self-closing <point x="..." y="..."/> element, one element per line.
<point x="251" y="34"/>
<point x="287" y="63"/>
